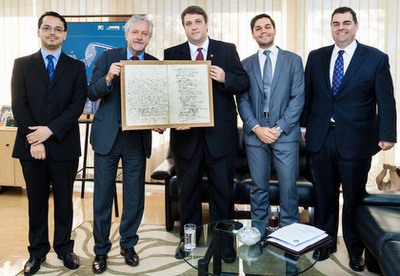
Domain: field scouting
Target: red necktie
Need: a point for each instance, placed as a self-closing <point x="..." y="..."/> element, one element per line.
<point x="134" y="58"/>
<point x="200" y="54"/>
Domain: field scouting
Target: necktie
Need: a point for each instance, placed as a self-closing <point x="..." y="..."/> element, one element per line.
<point x="200" y="54"/>
<point x="267" y="80"/>
<point x="50" y="66"/>
<point x="134" y="58"/>
<point x="338" y="72"/>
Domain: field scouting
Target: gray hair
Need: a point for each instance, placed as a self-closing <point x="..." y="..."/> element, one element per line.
<point x="138" y="18"/>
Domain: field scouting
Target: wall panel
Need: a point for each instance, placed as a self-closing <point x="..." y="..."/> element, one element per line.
<point x="302" y="25"/>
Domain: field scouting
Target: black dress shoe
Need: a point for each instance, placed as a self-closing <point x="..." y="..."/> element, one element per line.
<point x="70" y="260"/>
<point x="33" y="265"/>
<point x="357" y="263"/>
<point x="324" y="253"/>
<point x="180" y="252"/>
<point x="131" y="258"/>
<point x="99" y="264"/>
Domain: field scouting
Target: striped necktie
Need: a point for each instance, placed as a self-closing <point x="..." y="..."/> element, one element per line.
<point x="50" y="66"/>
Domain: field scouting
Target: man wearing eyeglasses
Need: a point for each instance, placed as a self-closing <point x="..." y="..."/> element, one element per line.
<point x="48" y="90"/>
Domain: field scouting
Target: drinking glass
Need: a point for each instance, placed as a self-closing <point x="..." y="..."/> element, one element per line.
<point x="273" y="218"/>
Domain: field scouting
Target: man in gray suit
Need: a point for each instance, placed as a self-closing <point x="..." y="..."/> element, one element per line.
<point x="270" y="111"/>
<point x="111" y="144"/>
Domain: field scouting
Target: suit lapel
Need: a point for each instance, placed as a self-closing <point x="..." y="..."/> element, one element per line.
<point x="255" y="65"/>
<point x="356" y="61"/>
<point x="326" y="63"/>
<point x="123" y="53"/>
<point x="185" y="51"/>
<point x="280" y="61"/>
<point x="61" y="66"/>
<point x="212" y="52"/>
<point x="38" y="63"/>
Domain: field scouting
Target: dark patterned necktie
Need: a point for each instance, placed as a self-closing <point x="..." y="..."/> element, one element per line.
<point x="50" y="66"/>
<point x="134" y="58"/>
<point x="200" y="54"/>
<point x="338" y="73"/>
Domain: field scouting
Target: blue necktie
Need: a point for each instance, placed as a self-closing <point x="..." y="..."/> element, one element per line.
<point x="267" y="80"/>
<point x="338" y="72"/>
<point x="50" y="66"/>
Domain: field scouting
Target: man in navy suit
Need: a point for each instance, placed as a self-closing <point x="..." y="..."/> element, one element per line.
<point x="349" y="114"/>
<point x="46" y="105"/>
<point x="111" y="144"/>
<point x="270" y="111"/>
<point x="211" y="148"/>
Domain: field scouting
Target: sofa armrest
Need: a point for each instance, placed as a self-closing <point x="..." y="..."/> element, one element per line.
<point x="165" y="170"/>
<point x="381" y="198"/>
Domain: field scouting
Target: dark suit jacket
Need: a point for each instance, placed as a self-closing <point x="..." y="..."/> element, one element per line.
<point x="365" y="89"/>
<point x="222" y="138"/>
<point x="107" y="119"/>
<point x="57" y="104"/>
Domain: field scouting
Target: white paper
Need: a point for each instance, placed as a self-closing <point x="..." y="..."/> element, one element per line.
<point x="188" y="89"/>
<point x="146" y="90"/>
<point x="297" y="236"/>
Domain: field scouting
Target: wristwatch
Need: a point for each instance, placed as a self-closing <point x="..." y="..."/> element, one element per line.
<point x="278" y="128"/>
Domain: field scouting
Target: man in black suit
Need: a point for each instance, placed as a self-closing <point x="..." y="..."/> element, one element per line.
<point x="349" y="115"/>
<point x="211" y="148"/>
<point x="111" y="144"/>
<point x="46" y="107"/>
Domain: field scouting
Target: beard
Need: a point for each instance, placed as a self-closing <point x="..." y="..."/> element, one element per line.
<point x="52" y="44"/>
<point x="138" y="47"/>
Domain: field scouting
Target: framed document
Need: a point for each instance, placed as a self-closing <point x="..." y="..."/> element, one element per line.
<point x="166" y="94"/>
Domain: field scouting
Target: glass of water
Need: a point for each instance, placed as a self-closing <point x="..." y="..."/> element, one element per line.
<point x="190" y="237"/>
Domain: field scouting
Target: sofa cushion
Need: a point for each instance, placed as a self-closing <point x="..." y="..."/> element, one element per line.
<point x="389" y="259"/>
<point x="376" y="225"/>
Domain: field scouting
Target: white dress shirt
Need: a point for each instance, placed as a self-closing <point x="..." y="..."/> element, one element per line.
<point x="194" y="52"/>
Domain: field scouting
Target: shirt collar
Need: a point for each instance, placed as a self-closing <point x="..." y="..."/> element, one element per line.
<point x="129" y="54"/>
<point x="193" y="48"/>
<point x="274" y="51"/>
<point x="56" y="54"/>
<point x="349" y="50"/>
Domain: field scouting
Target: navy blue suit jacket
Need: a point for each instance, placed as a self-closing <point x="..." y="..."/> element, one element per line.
<point x="364" y="107"/>
<point x="222" y="138"/>
<point x="107" y="119"/>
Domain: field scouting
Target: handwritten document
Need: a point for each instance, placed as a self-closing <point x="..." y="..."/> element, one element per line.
<point x="166" y="94"/>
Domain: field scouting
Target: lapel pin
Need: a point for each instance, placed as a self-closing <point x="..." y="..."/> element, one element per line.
<point x="211" y="55"/>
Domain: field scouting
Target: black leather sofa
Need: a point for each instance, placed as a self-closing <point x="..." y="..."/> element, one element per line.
<point x="241" y="185"/>
<point x="378" y="224"/>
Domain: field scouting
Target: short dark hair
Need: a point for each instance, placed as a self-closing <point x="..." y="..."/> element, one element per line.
<point x="253" y="21"/>
<point x="54" y="14"/>
<point x="344" y="10"/>
<point x="194" y="10"/>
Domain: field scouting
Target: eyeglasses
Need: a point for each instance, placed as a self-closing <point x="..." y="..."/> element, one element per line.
<point x="47" y="29"/>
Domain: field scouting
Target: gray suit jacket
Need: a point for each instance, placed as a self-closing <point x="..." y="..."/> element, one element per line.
<point x="286" y="98"/>
<point x="107" y="120"/>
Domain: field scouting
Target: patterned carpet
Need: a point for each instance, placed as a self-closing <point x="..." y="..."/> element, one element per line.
<point x="156" y="250"/>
